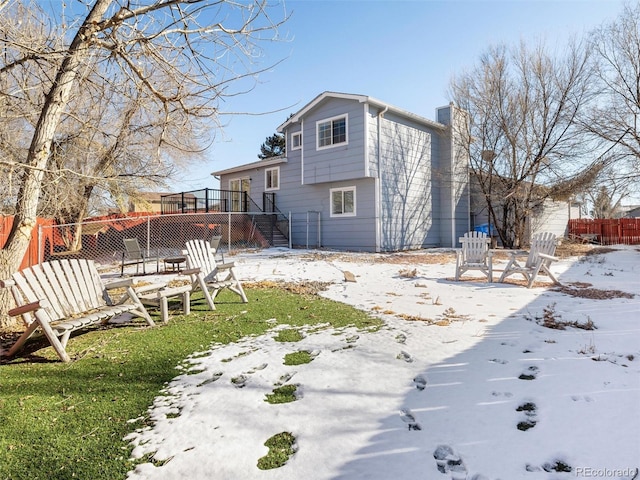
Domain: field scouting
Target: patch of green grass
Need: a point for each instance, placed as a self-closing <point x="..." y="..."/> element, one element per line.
<point x="527" y="407"/>
<point x="298" y="358"/>
<point x="526" y="425"/>
<point x="557" y="466"/>
<point x="289" y="335"/>
<point x="280" y="449"/>
<point x="283" y="394"/>
<point x="62" y="421"/>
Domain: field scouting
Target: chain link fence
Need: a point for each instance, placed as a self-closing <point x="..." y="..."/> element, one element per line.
<point x="159" y="236"/>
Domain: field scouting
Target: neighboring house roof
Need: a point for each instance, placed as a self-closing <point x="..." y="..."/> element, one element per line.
<point x="247" y="166"/>
<point x="360" y="98"/>
<point x="152" y="201"/>
<point x="632" y="211"/>
<point x="145" y="201"/>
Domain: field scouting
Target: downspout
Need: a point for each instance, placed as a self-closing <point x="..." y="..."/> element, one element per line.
<point x="380" y="116"/>
<point x="379" y="178"/>
<point x="452" y="173"/>
<point x="302" y="152"/>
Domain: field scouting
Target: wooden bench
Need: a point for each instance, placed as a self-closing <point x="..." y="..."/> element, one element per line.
<point x="62" y="296"/>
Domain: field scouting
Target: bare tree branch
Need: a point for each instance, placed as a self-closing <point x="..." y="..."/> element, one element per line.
<point x="615" y="118"/>
<point x="523" y="105"/>
<point x="135" y="91"/>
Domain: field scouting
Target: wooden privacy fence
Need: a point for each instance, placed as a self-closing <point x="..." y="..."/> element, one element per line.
<point x="613" y="231"/>
<point x="37" y="243"/>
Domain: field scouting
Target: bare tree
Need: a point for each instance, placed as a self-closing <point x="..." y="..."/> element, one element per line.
<point x="612" y="186"/>
<point x="112" y="144"/>
<point x="524" y="144"/>
<point x="615" y="118"/>
<point x="603" y="207"/>
<point x="24" y="73"/>
<point x="185" y="55"/>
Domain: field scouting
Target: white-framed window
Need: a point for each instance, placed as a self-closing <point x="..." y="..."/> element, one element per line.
<point x="272" y="178"/>
<point x="343" y="202"/>
<point x="296" y="141"/>
<point x="331" y="132"/>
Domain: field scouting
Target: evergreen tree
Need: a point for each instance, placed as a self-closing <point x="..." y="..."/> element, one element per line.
<point x="273" y="146"/>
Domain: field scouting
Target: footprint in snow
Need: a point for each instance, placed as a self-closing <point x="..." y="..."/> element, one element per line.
<point x="212" y="379"/>
<point x="506" y="394"/>
<point x="407" y="417"/>
<point x="577" y="398"/>
<point x="259" y="367"/>
<point x="285" y="378"/>
<point x="448" y="461"/>
<point x="531" y="417"/>
<point x="499" y="360"/>
<point x="420" y="382"/>
<point x="530" y="374"/>
<point x="404" y="356"/>
<point x="240" y="381"/>
<point x="557" y="465"/>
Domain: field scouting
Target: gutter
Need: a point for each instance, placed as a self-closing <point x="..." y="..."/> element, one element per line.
<point x="380" y="116"/>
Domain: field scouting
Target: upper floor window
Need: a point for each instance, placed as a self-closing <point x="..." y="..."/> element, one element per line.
<point x="296" y="141"/>
<point x="272" y="178"/>
<point x="331" y="132"/>
<point x="343" y="202"/>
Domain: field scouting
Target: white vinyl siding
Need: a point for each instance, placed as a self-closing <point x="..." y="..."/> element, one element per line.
<point x="343" y="202"/>
<point x="272" y="179"/>
<point x="331" y="132"/>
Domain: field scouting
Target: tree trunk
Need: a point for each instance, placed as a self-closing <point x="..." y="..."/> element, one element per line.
<point x="39" y="151"/>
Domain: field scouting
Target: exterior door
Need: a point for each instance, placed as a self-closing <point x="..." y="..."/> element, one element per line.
<point x="237" y="187"/>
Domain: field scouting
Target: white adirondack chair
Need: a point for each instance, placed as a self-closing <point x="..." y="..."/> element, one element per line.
<point x="474" y="255"/>
<point x="208" y="275"/>
<point x="539" y="259"/>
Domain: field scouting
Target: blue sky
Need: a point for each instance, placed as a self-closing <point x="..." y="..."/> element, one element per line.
<point x="401" y="52"/>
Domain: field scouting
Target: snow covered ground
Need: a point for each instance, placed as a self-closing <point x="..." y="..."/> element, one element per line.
<point x="477" y="389"/>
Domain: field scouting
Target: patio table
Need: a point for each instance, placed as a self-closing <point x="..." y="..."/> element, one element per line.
<point x="174" y="263"/>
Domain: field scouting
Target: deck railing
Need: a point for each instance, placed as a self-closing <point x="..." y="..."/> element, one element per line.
<point x="205" y="200"/>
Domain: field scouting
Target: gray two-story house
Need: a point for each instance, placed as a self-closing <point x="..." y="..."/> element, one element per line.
<point x="360" y="174"/>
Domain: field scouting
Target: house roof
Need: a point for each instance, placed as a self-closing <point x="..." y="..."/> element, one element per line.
<point x="362" y="99"/>
<point x="312" y="104"/>
<point x="141" y="197"/>
<point x="632" y="211"/>
<point x="248" y="166"/>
